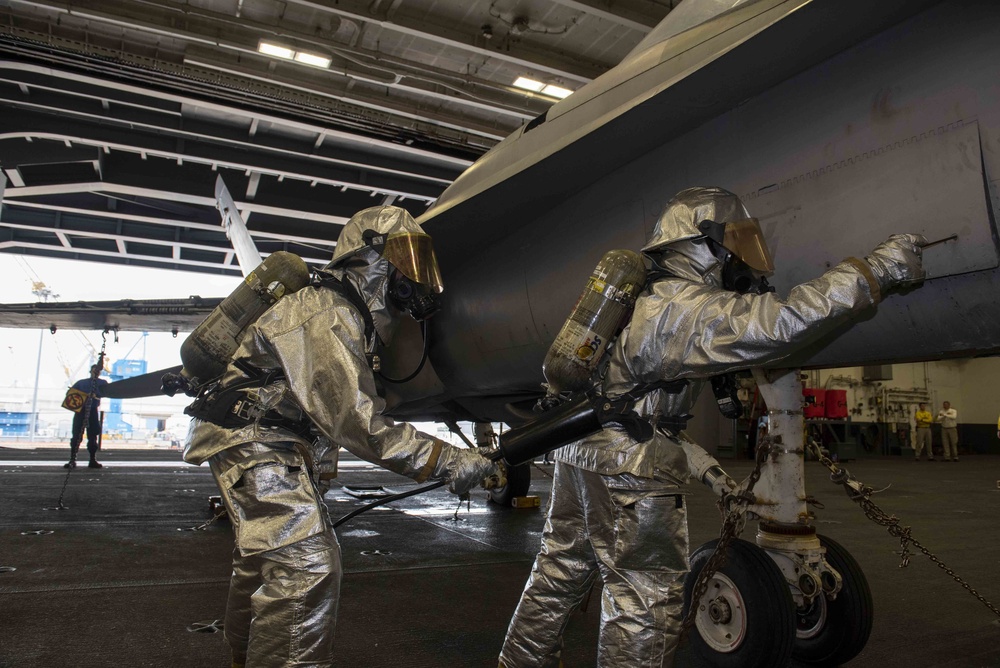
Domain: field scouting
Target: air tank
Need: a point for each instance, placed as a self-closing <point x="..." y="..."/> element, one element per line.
<point x="210" y="347"/>
<point x="599" y="315"/>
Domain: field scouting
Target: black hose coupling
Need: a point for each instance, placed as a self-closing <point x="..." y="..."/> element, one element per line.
<point x="584" y="414"/>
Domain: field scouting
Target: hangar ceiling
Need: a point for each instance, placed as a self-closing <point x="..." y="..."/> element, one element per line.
<point x="117" y="117"/>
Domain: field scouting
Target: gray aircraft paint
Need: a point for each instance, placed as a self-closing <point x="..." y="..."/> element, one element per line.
<point x="897" y="133"/>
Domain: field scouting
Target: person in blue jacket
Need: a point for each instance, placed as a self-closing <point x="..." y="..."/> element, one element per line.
<point x="91" y="386"/>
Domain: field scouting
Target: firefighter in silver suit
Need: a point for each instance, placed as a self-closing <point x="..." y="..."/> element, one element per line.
<point x="304" y="385"/>
<point x="617" y="509"/>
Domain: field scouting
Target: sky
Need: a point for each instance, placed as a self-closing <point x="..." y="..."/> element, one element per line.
<point x="67" y="354"/>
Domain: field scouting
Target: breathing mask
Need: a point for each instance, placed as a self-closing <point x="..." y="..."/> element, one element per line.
<point x="416" y="299"/>
<point x="415" y="280"/>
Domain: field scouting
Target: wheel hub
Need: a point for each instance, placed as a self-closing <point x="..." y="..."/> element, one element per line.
<point x="811" y="618"/>
<point x="722" y="617"/>
<point x="719" y="611"/>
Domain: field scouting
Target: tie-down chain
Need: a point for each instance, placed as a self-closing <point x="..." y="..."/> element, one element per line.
<point x="861" y="494"/>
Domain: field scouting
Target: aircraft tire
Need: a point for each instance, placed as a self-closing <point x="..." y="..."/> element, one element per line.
<point x="834" y="632"/>
<point x="760" y="631"/>
<point x="518" y="482"/>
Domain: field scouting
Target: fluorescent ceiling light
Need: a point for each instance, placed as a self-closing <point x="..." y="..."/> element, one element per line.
<point x="556" y="91"/>
<point x="276" y="50"/>
<point x="310" y="59"/>
<point x="529" y="84"/>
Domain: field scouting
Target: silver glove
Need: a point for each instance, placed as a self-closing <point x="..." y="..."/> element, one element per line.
<point x="498" y="480"/>
<point x="463" y="469"/>
<point x="897" y="260"/>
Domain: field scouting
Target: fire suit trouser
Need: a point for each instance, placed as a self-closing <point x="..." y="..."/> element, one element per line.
<point x="923" y="441"/>
<point x="949" y="442"/>
<point x="285" y="585"/>
<point x="632" y="532"/>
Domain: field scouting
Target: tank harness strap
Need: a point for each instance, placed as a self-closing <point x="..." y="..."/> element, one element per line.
<point x="622" y="410"/>
<point x="674" y="424"/>
<point x="230" y="408"/>
<point x="668" y="386"/>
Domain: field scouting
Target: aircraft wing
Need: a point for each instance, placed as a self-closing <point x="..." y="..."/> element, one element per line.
<point x="126" y="315"/>
<point x="146" y="385"/>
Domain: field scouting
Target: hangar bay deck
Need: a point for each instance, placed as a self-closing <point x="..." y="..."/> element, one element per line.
<point x="117" y="579"/>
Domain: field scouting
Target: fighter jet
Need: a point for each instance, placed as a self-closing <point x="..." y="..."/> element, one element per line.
<point x="838" y="122"/>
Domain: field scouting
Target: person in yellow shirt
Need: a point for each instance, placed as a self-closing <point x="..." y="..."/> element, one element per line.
<point x="924" y="419"/>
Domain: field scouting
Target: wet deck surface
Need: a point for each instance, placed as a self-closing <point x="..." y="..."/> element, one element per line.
<point x="118" y="583"/>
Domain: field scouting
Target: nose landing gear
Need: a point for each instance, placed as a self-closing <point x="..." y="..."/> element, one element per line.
<point x="747" y="617"/>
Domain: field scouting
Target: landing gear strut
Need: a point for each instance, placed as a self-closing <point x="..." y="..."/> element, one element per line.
<point x="795" y="594"/>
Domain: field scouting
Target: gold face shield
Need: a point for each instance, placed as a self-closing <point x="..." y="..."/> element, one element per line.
<point x="413" y="255"/>
<point x="745" y="240"/>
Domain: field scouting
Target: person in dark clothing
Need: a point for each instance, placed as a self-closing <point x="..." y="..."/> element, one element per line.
<point x="92" y="387"/>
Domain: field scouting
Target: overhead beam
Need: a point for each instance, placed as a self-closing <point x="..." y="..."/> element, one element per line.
<point x="64" y="235"/>
<point x="167" y="222"/>
<point x="252" y="184"/>
<point x="102" y="187"/>
<point x="616" y="13"/>
<point x="85" y="254"/>
<point x="573" y="69"/>
<point x="455" y="89"/>
<point x="358" y="142"/>
<point x="283" y="164"/>
<point x="200" y="27"/>
<point x="208" y="144"/>
<point x="14" y="176"/>
<point x="369" y="99"/>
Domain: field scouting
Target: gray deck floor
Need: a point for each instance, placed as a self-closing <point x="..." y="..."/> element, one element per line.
<point x="116" y="583"/>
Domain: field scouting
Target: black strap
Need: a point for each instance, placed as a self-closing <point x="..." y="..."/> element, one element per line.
<point x="228" y="407"/>
<point x="668" y="386"/>
<point x="348" y="292"/>
<point x="256" y="377"/>
<point x="674" y="423"/>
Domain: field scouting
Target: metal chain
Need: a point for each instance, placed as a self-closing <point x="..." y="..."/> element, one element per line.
<point x="463" y="498"/>
<point x="733" y="508"/>
<point x="544" y="472"/>
<point x="205" y="525"/>
<point x="86" y="416"/>
<point x="59" y="505"/>
<point x="861" y="494"/>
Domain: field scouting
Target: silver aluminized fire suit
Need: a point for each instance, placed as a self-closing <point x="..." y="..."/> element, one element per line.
<point x="617" y="509"/>
<point x="285" y="584"/>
